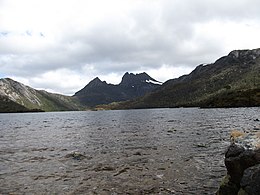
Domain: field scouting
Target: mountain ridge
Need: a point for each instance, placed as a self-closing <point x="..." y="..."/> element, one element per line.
<point x="98" y="92"/>
<point x="30" y="99"/>
<point x="231" y="81"/>
<point x="18" y="97"/>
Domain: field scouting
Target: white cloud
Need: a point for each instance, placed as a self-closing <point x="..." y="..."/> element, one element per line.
<point x="47" y="42"/>
<point x="231" y="34"/>
<point x="165" y="72"/>
<point x="62" y="81"/>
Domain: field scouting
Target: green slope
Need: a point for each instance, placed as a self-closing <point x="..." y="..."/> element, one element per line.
<point x="233" y="80"/>
<point x="8" y="106"/>
<point x="32" y="99"/>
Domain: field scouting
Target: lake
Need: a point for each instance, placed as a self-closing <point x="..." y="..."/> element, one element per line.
<point x="150" y="151"/>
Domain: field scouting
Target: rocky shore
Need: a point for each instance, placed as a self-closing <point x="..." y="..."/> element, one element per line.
<point x="242" y="161"/>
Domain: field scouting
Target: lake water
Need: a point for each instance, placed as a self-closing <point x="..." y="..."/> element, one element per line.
<point x="153" y="151"/>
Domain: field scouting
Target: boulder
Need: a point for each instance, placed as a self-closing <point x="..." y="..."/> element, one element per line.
<point x="237" y="164"/>
<point x="242" y="161"/>
<point x="250" y="181"/>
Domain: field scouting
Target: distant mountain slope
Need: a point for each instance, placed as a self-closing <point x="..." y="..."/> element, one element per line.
<point x="7" y="105"/>
<point x="233" y="80"/>
<point x="31" y="99"/>
<point x="131" y="86"/>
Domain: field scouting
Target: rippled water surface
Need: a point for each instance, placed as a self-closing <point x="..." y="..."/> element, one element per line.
<point x="155" y="151"/>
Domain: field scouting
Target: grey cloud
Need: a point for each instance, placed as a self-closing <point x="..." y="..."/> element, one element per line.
<point x="203" y="10"/>
<point x="145" y="37"/>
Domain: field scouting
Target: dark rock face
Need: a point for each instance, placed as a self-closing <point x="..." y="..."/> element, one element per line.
<point x="237" y="164"/>
<point x="243" y="167"/>
<point x="97" y="83"/>
<point x="234" y="150"/>
<point x="251" y="180"/>
<point x="130" y="79"/>
<point x="132" y="85"/>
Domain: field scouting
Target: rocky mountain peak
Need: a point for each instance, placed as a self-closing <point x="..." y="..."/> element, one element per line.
<point x="96" y="82"/>
<point x="132" y="79"/>
<point x="243" y="57"/>
<point x="245" y="54"/>
<point x="131" y="86"/>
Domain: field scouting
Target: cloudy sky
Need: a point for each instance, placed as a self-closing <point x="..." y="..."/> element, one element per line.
<point x="60" y="45"/>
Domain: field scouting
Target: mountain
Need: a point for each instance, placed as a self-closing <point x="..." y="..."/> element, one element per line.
<point x="232" y="81"/>
<point x="132" y="85"/>
<point x="7" y="105"/>
<point x="17" y="97"/>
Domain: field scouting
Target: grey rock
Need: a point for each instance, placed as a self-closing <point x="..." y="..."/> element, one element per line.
<point x="250" y="181"/>
<point x="237" y="164"/>
<point x="234" y="150"/>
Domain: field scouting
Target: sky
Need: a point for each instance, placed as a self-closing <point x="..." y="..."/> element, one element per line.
<point x="61" y="45"/>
